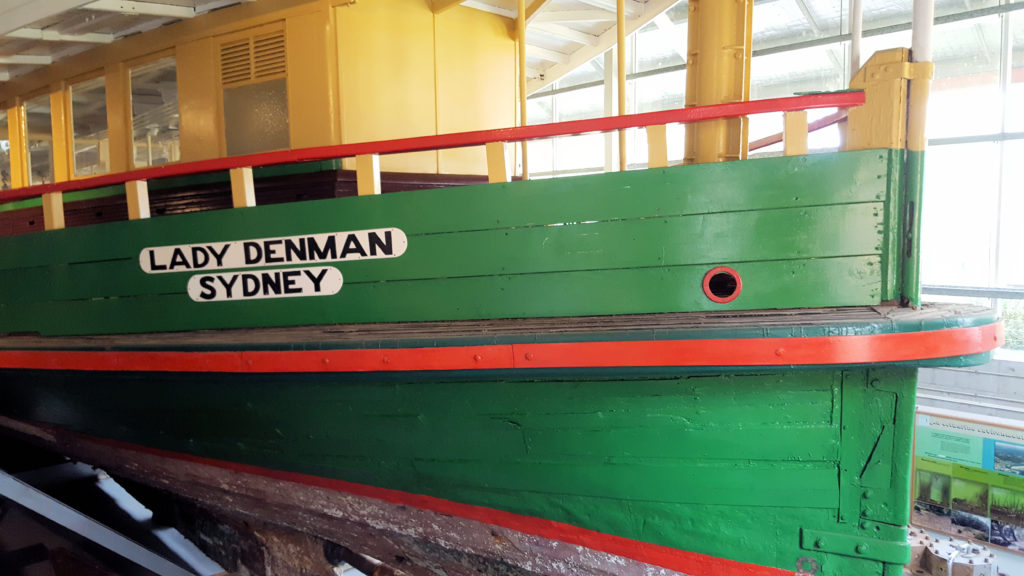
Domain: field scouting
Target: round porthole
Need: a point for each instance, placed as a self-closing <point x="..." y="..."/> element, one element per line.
<point x="722" y="284"/>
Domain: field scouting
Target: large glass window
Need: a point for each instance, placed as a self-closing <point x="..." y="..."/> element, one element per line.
<point x="155" y="113"/>
<point x="5" y="152"/>
<point x="90" y="140"/>
<point x="973" y="200"/>
<point x="39" y="140"/>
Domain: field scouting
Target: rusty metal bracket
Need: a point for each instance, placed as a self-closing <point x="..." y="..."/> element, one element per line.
<point x="855" y="546"/>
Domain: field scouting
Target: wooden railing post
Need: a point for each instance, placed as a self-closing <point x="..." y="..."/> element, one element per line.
<point x="243" y="191"/>
<point x="53" y="210"/>
<point x="137" y="194"/>
<point x="794" y="133"/>
<point x="368" y="174"/>
<point x="498" y="167"/>
<point x="657" y="146"/>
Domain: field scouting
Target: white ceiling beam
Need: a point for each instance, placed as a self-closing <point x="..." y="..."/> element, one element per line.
<point x="5" y="76"/>
<point x="490" y="8"/>
<point x="575" y="16"/>
<point x="532" y="9"/>
<point x="54" y="36"/>
<point x="632" y="6"/>
<point x="204" y="7"/>
<point x="565" y="33"/>
<point x="131" y="7"/>
<point x="16" y="14"/>
<point x="607" y="40"/>
<point x="545" y="54"/>
<point x="28" y="59"/>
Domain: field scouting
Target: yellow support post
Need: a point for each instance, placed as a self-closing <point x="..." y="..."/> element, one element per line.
<point x="368" y="175"/>
<point x="243" y="191"/>
<point x="16" y="136"/>
<point x="657" y="146"/>
<point x="794" y="133"/>
<point x="137" y="193"/>
<point x="718" y="72"/>
<point x="881" y="121"/>
<point x="119" y="118"/>
<point x="498" y="167"/>
<point x="521" y="42"/>
<point x="53" y="210"/>
<point x="60" y="129"/>
<point x="620" y="30"/>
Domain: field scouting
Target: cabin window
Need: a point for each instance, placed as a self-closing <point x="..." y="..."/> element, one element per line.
<point x="39" y="140"/>
<point x="89" y="127"/>
<point x="255" y="92"/>
<point x="155" y="113"/>
<point x="5" y="153"/>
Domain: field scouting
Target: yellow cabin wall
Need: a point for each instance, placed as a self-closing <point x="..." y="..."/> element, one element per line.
<point x="313" y="107"/>
<point x="476" y="81"/>
<point x="406" y="72"/>
<point x="199" y="121"/>
<point x="357" y="72"/>
<point x="386" y="73"/>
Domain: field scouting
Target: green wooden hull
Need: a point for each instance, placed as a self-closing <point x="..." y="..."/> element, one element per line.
<point x="776" y="463"/>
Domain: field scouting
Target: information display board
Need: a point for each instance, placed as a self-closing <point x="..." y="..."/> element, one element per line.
<point x="969" y="480"/>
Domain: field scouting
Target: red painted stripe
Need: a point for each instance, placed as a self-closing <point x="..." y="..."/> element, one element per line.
<point x="809" y="351"/>
<point x="457" y="140"/>
<point x="691" y="563"/>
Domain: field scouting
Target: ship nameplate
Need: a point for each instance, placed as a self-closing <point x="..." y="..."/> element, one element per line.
<point x="225" y="268"/>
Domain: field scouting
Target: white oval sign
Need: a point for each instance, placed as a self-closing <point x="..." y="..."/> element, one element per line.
<point x="277" y="283"/>
<point x="310" y="248"/>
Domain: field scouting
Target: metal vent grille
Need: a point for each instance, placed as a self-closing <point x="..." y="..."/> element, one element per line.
<point x="255" y="57"/>
<point x="268" y="56"/>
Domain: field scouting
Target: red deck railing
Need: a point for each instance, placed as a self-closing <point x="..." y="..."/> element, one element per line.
<point x="445" y="141"/>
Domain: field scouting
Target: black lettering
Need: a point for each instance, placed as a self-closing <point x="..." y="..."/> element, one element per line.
<point x="228" y="285"/>
<point x="385" y="245"/>
<point x="179" y="259"/>
<point x="250" y="284"/>
<point x="152" y="261"/>
<point x="295" y="250"/>
<point x="253" y="252"/>
<point x="209" y="291"/>
<point x="269" y="249"/>
<point x="271" y="281"/>
<point x="219" y="256"/>
<point x="329" y="251"/>
<point x="316" y="280"/>
<point x="197" y="253"/>
<point x="290" y="285"/>
<point x="352" y="245"/>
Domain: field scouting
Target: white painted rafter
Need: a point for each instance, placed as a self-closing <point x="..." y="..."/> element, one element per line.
<point x="534" y="51"/>
<point x="633" y="7"/>
<point x="132" y="7"/>
<point x="575" y="16"/>
<point x="605" y="41"/>
<point x="5" y="76"/>
<point x="54" y="36"/>
<point x="16" y="14"/>
<point x="28" y="59"/>
<point x="565" y="33"/>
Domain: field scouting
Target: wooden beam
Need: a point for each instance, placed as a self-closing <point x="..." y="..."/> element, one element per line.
<point x="368" y="174"/>
<point x="498" y="167"/>
<point x="137" y="194"/>
<point x="27" y="59"/>
<point x="545" y="54"/>
<point x="794" y="133"/>
<point x="53" y="210"/>
<point x="657" y="146"/>
<point x="243" y="191"/>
